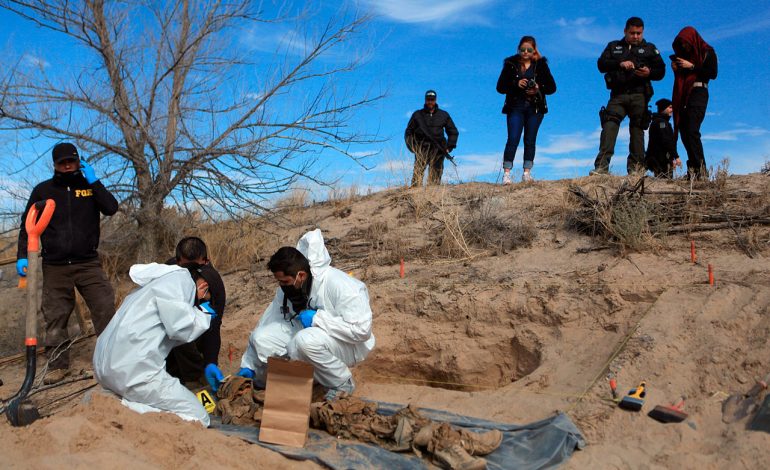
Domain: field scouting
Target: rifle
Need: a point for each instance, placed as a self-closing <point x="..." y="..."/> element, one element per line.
<point x="436" y="144"/>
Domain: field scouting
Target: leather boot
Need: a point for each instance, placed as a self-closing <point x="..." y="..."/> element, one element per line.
<point x="455" y="457"/>
<point x="480" y="443"/>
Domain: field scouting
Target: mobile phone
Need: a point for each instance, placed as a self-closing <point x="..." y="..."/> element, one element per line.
<point x="673" y="57"/>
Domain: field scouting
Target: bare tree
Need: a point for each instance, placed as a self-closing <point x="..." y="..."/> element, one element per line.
<point x="179" y="112"/>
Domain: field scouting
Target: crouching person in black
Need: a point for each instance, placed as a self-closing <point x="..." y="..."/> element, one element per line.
<point x="662" y="157"/>
<point x="187" y="362"/>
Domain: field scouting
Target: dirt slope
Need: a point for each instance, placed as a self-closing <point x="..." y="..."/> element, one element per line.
<point x="505" y="313"/>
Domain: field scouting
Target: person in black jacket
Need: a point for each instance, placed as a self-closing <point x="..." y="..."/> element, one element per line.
<point x="187" y="362"/>
<point x="694" y="64"/>
<point x="662" y="157"/>
<point x="69" y="255"/>
<point x="525" y="81"/>
<point x="628" y="66"/>
<point x="424" y="137"/>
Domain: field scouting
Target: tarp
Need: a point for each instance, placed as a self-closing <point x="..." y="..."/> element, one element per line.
<point x="542" y="444"/>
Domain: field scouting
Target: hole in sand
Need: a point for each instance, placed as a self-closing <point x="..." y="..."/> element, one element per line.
<point x="458" y="363"/>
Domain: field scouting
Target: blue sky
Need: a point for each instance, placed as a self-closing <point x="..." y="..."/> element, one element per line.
<point x="457" y="47"/>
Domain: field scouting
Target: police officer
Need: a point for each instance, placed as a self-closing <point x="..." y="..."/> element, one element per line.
<point x="424" y="137"/>
<point x="628" y="66"/>
<point x="69" y="254"/>
<point x="661" y="156"/>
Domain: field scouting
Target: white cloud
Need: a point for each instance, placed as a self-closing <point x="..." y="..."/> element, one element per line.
<point x="735" y="134"/>
<point x="738" y="28"/>
<point x="428" y="11"/>
<point x="585" y="30"/>
<point x="35" y="61"/>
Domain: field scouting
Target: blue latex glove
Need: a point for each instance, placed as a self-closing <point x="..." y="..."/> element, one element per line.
<point x="88" y="172"/>
<point x="206" y="307"/>
<point x="21" y="267"/>
<point x="306" y="317"/>
<point x="214" y="376"/>
<point x="246" y="373"/>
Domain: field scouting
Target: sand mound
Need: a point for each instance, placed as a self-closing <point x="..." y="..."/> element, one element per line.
<point x="511" y="326"/>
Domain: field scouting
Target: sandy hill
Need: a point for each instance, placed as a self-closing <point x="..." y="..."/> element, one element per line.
<point x="516" y="302"/>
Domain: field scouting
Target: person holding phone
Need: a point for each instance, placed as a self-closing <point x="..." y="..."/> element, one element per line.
<point x="69" y="257"/>
<point x="525" y="81"/>
<point x="694" y="63"/>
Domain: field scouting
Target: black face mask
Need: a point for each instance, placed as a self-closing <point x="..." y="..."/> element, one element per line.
<point x="68" y="179"/>
<point x="298" y="296"/>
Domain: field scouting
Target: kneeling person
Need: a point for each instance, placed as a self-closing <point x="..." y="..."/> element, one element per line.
<point x="319" y="315"/>
<point x="130" y="355"/>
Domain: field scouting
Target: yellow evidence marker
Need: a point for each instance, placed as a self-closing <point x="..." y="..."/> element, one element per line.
<point x="207" y="400"/>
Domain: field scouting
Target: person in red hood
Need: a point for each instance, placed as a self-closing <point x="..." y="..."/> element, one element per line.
<point x="694" y="63"/>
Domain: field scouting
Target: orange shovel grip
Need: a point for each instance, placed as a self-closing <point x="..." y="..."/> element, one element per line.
<point x="35" y="227"/>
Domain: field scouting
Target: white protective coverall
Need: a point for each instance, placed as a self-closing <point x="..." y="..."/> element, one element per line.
<point x="341" y="333"/>
<point x="130" y="355"/>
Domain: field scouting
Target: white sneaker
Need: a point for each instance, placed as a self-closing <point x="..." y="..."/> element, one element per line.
<point x="507" y="179"/>
<point x="527" y="177"/>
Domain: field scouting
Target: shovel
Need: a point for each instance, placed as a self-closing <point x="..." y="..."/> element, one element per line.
<point x="20" y="411"/>
<point x="739" y="405"/>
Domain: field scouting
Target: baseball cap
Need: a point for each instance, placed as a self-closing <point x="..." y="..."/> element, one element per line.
<point x="662" y="104"/>
<point x="430" y="94"/>
<point x="64" y="151"/>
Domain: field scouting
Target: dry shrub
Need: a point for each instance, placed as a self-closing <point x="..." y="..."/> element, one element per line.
<point x="419" y="205"/>
<point x="632" y="223"/>
<point x="485" y="228"/>
<point x="292" y="206"/>
<point x="237" y="245"/>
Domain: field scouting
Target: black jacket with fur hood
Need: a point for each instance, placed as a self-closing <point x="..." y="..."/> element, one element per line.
<point x="508" y="82"/>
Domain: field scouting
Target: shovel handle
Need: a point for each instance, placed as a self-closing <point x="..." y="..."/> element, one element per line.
<point x="38" y="217"/>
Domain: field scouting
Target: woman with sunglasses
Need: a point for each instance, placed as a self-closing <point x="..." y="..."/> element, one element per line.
<point x="525" y="81"/>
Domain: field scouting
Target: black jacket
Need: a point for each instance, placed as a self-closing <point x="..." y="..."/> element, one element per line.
<point x="210" y="342"/>
<point x="661" y="148"/>
<point x="621" y="81"/>
<point x="72" y="236"/>
<point x="423" y="122"/>
<point x="508" y="83"/>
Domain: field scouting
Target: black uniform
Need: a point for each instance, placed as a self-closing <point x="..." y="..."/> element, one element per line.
<point x="661" y="148"/>
<point x="629" y="95"/>
<point x="188" y="361"/>
<point x="424" y="137"/>
<point x="69" y="256"/>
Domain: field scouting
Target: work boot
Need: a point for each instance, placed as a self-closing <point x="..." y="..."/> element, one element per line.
<point x="54" y="376"/>
<point x="455" y="457"/>
<point x="481" y="443"/>
<point x="424" y="435"/>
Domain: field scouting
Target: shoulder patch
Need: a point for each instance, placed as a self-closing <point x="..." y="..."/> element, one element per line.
<point x="657" y="52"/>
<point x="662" y="125"/>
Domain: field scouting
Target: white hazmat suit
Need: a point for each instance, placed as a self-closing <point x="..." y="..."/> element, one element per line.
<point x="341" y="333"/>
<point x="130" y="355"/>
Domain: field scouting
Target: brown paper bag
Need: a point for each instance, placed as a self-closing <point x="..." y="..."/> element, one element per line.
<point x="286" y="416"/>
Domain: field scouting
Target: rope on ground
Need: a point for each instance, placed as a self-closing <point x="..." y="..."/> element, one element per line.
<point x="69" y="395"/>
<point x="621" y="346"/>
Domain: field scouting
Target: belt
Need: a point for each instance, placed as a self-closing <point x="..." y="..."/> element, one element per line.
<point x="700" y="85"/>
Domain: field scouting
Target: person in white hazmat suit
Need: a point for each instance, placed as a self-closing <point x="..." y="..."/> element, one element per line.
<point x="319" y="315"/>
<point x="130" y="355"/>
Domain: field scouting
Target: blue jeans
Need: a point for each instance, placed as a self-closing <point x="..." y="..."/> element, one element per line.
<point x="522" y="117"/>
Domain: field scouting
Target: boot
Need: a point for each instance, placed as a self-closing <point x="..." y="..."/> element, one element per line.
<point x="425" y="435"/>
<point x="456" y="458"/>
<point x="54" y="376"/>
<point x="481" y="443"/>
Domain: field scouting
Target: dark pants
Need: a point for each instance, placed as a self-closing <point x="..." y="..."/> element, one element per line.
<point x="426" y="156"/>
<point x="632" y="105"/>
<point x="59" y="284"/>
<point x="521" y="117"/>
<point x="689" y="129"/>
<point x="186" y="362"/>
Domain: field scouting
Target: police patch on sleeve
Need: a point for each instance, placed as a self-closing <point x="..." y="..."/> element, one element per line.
<point x="657" y="52"/>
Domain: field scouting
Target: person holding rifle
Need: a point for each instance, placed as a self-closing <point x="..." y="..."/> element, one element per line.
<point x="424" y="137"/>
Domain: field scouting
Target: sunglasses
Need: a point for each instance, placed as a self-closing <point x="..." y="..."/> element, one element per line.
<point x="526" y="49"/>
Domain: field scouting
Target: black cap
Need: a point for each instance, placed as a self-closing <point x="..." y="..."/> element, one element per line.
<point x="64" y="151"/>
<point x="662" y="104"/>
<point x="430" y="94"/>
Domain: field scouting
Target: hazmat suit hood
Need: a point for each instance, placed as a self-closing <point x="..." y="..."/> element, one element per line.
<point x="312" y="246"/>
<point x="143" y="274"/>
